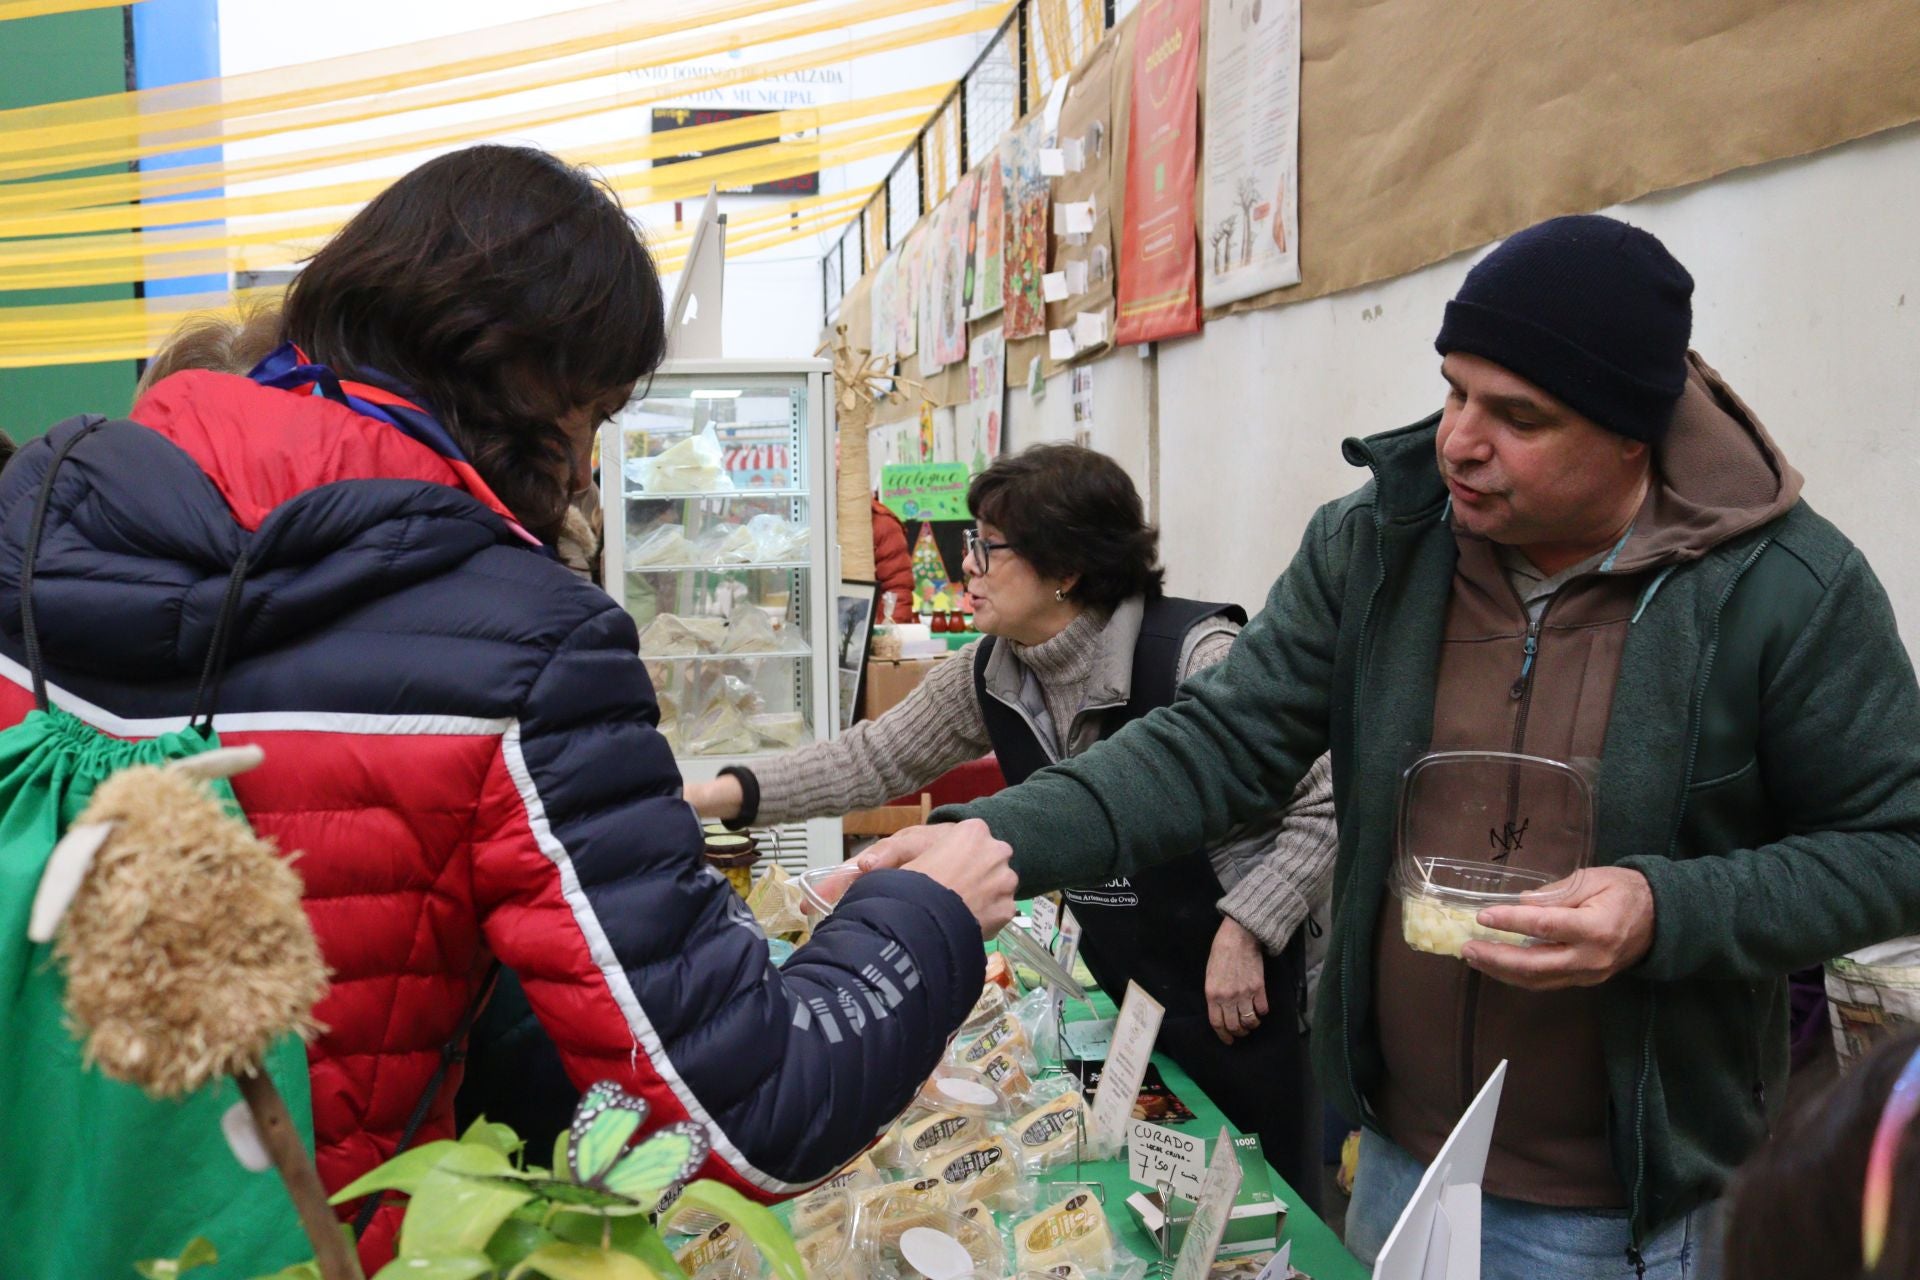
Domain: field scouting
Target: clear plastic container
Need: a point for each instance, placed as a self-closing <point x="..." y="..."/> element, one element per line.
<point x="933" y="1245"/>
<point x="1481" y="829"/>
<point x="823" y="887"/>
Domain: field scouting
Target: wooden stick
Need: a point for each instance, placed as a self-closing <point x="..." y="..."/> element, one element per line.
<point x="336" y="1259"/>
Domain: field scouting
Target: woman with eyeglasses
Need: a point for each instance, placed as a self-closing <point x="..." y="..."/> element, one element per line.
<point x="1080" y="639"/>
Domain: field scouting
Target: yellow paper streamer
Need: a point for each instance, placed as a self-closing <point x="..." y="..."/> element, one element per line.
<point x="11" y="9"/>
<point x="38" y="151"/>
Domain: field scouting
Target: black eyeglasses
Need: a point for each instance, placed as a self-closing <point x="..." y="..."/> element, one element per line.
<point x="981" y="550"/>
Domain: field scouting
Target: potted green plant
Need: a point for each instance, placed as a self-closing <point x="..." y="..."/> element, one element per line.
<point x="476" y="1211"/>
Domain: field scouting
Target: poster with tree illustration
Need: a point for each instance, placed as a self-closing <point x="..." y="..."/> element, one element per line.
<point x="1249" y="204"/>
<point x="929" y="570"/>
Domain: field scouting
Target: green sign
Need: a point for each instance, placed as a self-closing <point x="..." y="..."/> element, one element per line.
<point x="926" y="490"/>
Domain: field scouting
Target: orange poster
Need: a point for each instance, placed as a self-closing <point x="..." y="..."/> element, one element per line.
<point x="1159" y="256"/>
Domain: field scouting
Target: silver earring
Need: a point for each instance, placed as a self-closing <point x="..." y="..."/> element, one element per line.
<point x="1059" y="595"/>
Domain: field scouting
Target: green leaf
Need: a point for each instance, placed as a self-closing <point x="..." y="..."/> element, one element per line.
<point x="561" y="1191"/>
<point x="402" y="1173"/>
<point x="198" y="1253"/>
<point x="501" y="1137"/>
<point x="445" y="1266"/>
<point x="635" y="1235"/>
<point x="559" y="1153"/>
<point x="454" y="1212"/>
<point x="308" y="1270"/>
<point x="667" y="1157"/>
<point x="757" y="1221"/>
<point x="577" y="1262"/>
<point x="516" y="1238"/>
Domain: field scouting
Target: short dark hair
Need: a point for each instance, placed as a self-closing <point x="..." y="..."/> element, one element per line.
<point x="1794" y="1209"/>
<point x="1069" y="510"/>
<point x="502" y="288"/>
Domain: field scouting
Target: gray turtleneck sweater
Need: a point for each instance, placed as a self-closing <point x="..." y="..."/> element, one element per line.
<point x="1272" y="875"/>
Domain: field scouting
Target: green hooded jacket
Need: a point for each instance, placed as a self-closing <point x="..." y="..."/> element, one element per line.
<point x="1761" y="769"/>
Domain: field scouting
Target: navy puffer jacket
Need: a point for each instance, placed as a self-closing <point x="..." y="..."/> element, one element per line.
<point x="461" y="749"/>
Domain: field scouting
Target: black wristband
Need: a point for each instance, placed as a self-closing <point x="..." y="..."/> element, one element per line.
<point x="749" y="797"/>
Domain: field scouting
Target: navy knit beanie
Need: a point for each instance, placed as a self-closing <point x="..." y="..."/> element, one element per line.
<point x="1590" y="310"/>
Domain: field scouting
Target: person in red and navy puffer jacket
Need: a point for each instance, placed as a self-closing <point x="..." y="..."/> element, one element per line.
<point x="460" y="739"/>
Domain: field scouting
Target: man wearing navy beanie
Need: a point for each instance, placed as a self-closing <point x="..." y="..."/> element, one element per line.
<point x="1593" y="555"/>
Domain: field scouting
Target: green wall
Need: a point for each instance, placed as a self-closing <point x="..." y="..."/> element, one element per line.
<point x="68" y="55"/>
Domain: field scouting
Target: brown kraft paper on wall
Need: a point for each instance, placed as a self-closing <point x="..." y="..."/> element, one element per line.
<point x="1094" y="104"/>
<point x="1428" y="128"/>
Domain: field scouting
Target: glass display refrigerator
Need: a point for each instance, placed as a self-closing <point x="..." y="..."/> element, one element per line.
<point x="719" y="541"/>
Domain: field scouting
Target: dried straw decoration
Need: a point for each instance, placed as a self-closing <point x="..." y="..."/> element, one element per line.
<point x="186" y="949"/>
<point x="860" y="381"/>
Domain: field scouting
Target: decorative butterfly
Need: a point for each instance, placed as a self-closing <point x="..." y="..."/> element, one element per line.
<point x="609" y="1175"/>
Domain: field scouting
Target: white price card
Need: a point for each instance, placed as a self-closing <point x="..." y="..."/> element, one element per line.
<point x="1073" y="153"/>
<point x="1069" y="940"/>
<point x="1076" y="273"/>
<point x="1166" y="1160"/>
<point x="1280" y="1266"/>
<point x="1060" y="344"/>
<point x="1053" y="163"/>
<point x="1046" y="918"/>
<point x="1210" y="1214"/>
<point x="1053" y="286"/>
<point x="1134" y="1032"/>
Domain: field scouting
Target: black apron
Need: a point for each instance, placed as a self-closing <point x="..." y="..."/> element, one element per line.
<point x="1157" y="926"/>
<point x="1163" y="947"/>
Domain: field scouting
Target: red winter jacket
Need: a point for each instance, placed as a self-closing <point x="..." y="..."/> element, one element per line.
<point x="893" y="562"/>
<point x="461" y="749"/>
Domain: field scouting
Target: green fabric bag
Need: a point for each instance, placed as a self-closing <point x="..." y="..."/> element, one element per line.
<point x="94" y="1174"/>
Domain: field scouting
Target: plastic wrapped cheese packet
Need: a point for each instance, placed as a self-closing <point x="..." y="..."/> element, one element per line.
<point x="694" y="465"/>
<point x="963" y="1091"/>
<point x="671" y="636"/>
<point x="985" y="1169"/>
<point x="749" y="629"/>
<point x="1004" y="1031"/>
<point x="777" y="903"/>
<point x="931" y="1245"/>
<point x="1072" y="1230"/>
<point x="779" y="730"/>
<point x="1046" y="1136"/>
<point x="991" y="1004"/>
<point x="661" y="544"/>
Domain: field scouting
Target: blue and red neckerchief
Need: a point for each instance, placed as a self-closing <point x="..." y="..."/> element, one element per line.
<point x="287" y="368"/>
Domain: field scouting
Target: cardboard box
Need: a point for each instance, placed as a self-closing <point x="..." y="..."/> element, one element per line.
<point x="1256" y="1222"/>
<point x="890" y="681"/>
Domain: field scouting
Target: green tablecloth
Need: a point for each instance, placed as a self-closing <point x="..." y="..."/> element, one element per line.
<point x="1316" y="1250"/>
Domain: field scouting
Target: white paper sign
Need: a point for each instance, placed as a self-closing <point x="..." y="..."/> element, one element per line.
<point x="1060" y="344"/>
<point x="1046" y="917"/>
<point x="1165" y="1159"/>
<point x="1069" y="940"/>
<point x="1056" y="99"/>
<point x="1089" y="329"/>
<point x="1075" y="275"/>
<point x="1134" y="1032"/>
<point x="1053" y="163"/>
<point x="1053" y="286"/>
<point x="1073" y="151"/>
<point x="1072" y="217"/>
<point x="1209" y="1225"/>
<point x="1279" y="1266"/>
<point x="1438" y="1234"/>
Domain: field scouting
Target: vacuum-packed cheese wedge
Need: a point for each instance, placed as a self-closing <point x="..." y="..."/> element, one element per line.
<point x="1047" y="1133"/>
<point x="826" y="1204"/>
<point x="893" y="1200"/>
<point x="991" y="1004"/>
<point x="1006" y="1073"/>
<point x="983" y="1170"/>
<point x="1003" y="1031"/>
<point x="1071" y="1232"/>
<point x="977" y="1211"/>
<point x="708" y="1254"/>
<point x="942" y="1131"/>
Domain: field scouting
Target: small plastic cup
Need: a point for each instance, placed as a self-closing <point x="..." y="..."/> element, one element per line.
<point x="823" y="887"/>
